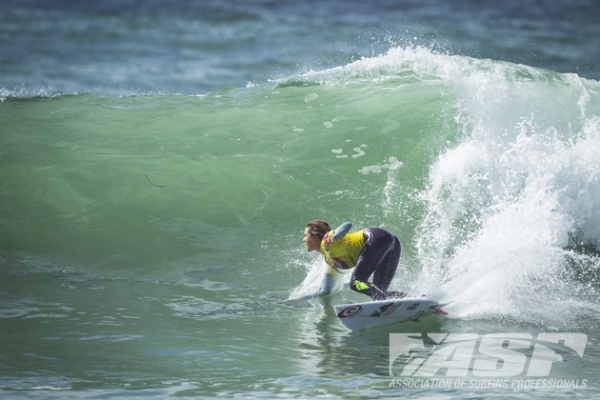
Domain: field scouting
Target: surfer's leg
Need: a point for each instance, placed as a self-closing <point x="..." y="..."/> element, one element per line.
<point x="384" y="272"/>
<point x="364" y="287"/>
<point x="378" y="245"/>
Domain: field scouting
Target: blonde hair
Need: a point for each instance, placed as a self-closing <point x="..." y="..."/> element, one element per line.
<point x="318" y="228"/>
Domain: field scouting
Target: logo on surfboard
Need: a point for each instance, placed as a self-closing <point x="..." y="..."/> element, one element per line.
<point x="349" y="311"/>
<point x="385" y="310"/>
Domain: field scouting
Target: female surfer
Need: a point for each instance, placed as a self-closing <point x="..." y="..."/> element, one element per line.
<point x="370" y="251"/>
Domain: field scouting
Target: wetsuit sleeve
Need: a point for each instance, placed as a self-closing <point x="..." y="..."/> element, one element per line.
<point x="341" y="230"/>
<point x="326" y="286"/>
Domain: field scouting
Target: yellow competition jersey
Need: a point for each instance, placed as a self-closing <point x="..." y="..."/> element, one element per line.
<point x="343" y="253"/>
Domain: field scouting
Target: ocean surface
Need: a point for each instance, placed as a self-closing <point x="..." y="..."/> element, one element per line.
<point x="160" y="159"/>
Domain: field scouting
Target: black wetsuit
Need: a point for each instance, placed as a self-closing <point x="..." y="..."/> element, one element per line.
<point x="379" y="257"/>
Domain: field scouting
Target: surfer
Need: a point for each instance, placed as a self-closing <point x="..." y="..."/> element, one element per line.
<point x="370" y="251"/>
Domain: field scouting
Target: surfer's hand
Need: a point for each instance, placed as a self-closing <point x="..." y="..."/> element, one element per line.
<point x="328" y="238"/>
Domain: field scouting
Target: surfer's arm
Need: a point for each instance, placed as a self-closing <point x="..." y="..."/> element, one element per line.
<point x="337" y="233"/>
<point x="326" y="287"/>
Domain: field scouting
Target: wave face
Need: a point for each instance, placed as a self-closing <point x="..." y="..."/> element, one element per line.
<point x="192" y="207"/>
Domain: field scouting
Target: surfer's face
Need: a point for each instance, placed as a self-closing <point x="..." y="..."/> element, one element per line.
<point x="312" y="242"/>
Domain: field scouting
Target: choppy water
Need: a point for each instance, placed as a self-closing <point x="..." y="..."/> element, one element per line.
<point x="158" y="163"/>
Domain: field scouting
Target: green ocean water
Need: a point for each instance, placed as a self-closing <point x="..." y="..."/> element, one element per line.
<point x="148" y="242"/>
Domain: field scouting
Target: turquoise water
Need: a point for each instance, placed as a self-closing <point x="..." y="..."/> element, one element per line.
<point x="148" y="240"/>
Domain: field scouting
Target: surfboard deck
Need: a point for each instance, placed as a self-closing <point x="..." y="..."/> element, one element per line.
<point x="375" y="314"/>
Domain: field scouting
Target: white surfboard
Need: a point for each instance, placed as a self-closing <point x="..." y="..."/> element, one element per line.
<point x="374" y="314"/>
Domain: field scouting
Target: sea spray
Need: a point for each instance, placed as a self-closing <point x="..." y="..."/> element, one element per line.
<point x="506" y="204"/>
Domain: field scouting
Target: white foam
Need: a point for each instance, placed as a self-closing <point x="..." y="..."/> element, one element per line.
<point x="505" y="205"/>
